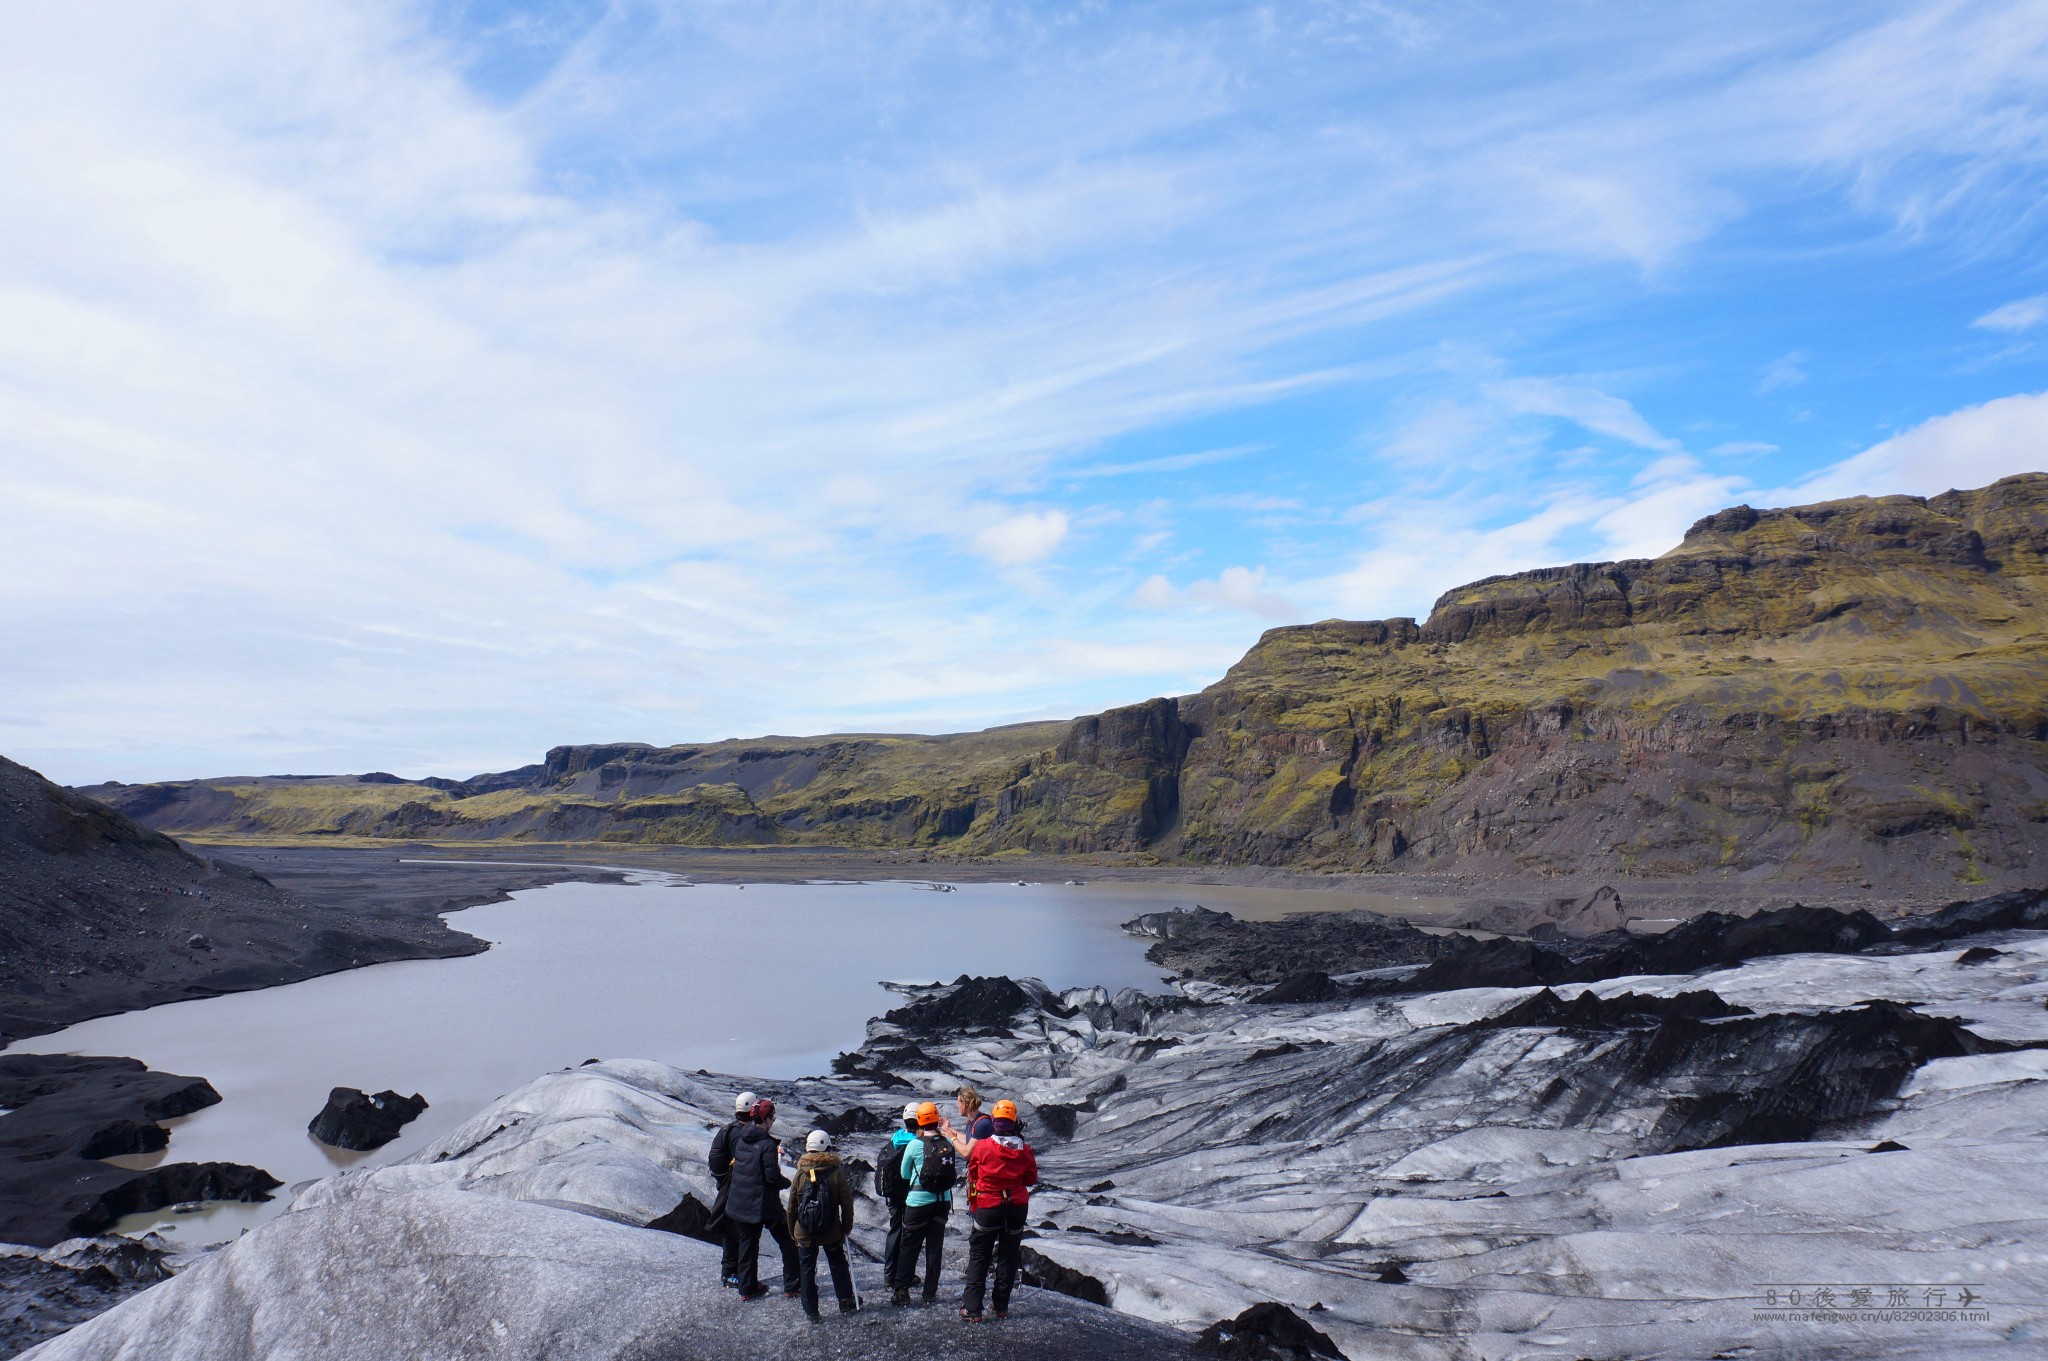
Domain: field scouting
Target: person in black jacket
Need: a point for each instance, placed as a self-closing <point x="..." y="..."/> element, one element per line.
<point x="722" y="1145"/>
<point x="753" y="1200"/>
<point x="889" y="1184"/>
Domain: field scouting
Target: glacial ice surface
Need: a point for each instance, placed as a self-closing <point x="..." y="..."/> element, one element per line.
<point x="1418" y="1177"/>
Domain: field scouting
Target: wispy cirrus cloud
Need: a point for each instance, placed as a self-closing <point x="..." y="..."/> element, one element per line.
<point x="386" y="386"/>
<point x="2023" y="314"/>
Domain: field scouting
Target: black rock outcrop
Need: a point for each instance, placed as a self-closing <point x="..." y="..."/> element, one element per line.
<point x="1293" y="952"/>
<point x="1716" y="939"/>
<point x="1312" y="985"/>
<point x="969" y="1004"/>
<point x="2026" y="909"/>
<point x="1724" y="1076"/>
<point x="1265" y="1332"/>
<point x="1045" y="1273"/>
<point x="353" y="1120"/>
<point x="854" y="1120"/>
<point x="64" y="1113"/>
<point x="1625" y="1009"/>
<point x="170" y="1184"/>
<point x="692" y="1219"/>
<point x="1217" y="946"/>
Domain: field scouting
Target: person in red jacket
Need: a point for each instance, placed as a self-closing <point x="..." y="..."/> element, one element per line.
<point x="1001" y="1170"/>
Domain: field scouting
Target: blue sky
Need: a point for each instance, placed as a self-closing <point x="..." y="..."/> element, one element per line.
<point x="408" y="387"/>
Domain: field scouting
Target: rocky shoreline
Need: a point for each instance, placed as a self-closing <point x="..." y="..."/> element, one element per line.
<point x="65" y="1114"/>
<point x="1614" y="1166"/>
<point x="104" y="916"/>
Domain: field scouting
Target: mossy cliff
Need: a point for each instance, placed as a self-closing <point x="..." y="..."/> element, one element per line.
<point x="1856" y="690"/>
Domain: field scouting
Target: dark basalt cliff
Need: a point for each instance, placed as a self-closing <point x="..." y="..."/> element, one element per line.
<point x="1854" y="691"/>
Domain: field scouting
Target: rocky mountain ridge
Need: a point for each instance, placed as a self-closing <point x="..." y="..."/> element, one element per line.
<point x="1854" y="691"/>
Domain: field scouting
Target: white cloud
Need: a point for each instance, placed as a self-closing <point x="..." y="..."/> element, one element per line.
<point x="1240" y="589"/>
<point x="353" y="417"/>
<point x="1783" y="372"/>
<point x="1442" y="430"/>
<point x="1168" y="463"/>
<point x="1022" y="539"/>
<point x="1155" y="593"/>
<point x="1584" y="406"/>
<point x="2022" y="315"/>
<point x="1742" y="448"/>
<point x="1967" y="448"/>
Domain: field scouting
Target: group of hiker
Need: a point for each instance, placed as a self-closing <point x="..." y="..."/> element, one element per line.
<point x="917" y="1171"/>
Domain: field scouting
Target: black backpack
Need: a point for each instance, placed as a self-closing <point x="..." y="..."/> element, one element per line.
<point x="889" y="1183"/>
<point x="817" y="1210"/>
<point x="938" y="1171"/>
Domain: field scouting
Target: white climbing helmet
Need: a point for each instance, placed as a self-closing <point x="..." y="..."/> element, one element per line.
<point x="743" y="1103"/>
<point x="817" y="1141"/>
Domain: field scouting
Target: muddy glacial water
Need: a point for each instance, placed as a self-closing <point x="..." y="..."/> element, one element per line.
<point x="770" y="980"/>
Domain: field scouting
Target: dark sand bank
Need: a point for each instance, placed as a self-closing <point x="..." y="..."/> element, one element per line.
<point x="412" y="875"/>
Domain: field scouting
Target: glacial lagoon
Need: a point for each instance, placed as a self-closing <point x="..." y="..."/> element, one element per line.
<point x="765" y="979"/>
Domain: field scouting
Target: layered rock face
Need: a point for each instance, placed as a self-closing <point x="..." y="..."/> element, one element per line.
<point x="1855" y="691"/>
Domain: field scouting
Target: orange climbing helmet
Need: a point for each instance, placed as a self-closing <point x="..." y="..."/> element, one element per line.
<point x="927" y="1114"/>
<point x="1003" y="1110"/>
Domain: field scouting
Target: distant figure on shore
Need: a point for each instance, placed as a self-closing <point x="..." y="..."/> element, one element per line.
<point x="893" y="1189"/>
<point x="930" y="1166"/>
<point x="753" y="1202"/>
<point x="723" y="1145"/>
<point x="1001" y="1170"/>
<point x="820" y="1218"/>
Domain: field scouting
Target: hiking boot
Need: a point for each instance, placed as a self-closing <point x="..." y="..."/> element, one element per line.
<point x="900" y="1299"/>
<point x="969" y="1316"/>
<point x="1002" y="1314"/>
<point x="759" y="1292"/>
<point x="851" y="1306"/>
<point x="931" y="1298"/>
<point x="814" y="1316"/>
<point x="790" y="1292"/>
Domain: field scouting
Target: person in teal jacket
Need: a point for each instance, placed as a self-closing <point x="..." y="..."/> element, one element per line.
<point x="924" y="1212"/>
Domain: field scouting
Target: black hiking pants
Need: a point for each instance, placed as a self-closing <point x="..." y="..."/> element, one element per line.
<point x="842" y="1275"/>
<point x="746" y="1241"/>
<point x="892" y="1247"/>
<point x="999" y="1232"/>
<point x="729" y="1259"/>
<point x="924" y="1232"/>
